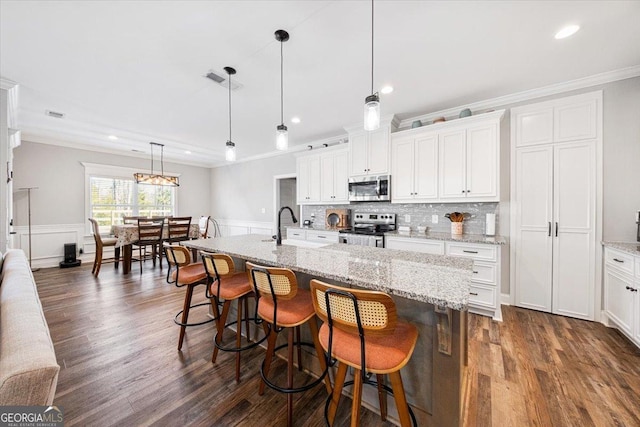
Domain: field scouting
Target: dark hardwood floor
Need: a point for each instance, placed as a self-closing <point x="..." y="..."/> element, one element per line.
<point x="116" y="343"/>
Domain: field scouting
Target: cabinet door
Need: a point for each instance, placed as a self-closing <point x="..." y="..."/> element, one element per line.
<point x="482" y="163"/>
<point x="618" y="300"/>
<point x="402" y="170"/>
<point x="534" y="127"/>
<point x="574" y="208"/>
<point x="358" y="153"/>
<point x="575" y="121"/>
<point x="533" y="204"/>
<point x="302" y="184"/>
<point x="452" y="165"/>
<point x="327" y="192"/>
<point x="314" y="179"/>
<point x="378" y="152"/>
<point x="426" y="167"/>
<point x="341" y="177"/>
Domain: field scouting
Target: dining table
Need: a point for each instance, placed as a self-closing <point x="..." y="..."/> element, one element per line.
<point x="127" y="235"/>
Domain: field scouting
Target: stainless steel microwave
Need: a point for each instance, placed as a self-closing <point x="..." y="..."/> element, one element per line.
<point x="370" y="188"/>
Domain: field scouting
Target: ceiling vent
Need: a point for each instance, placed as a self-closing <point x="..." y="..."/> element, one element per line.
<point x="55" y="114"/>
<point x="222" y="80"/>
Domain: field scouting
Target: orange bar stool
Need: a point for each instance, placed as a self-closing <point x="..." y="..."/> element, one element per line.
<point x="361" y="330"/>
<point x="282" y="305"/>
<point x="186" y="274"/>
<point x="225" y="284"/>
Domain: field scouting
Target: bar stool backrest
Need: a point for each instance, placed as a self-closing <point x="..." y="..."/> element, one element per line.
<point x="218" y="265"/>
<point x="276" y="283"/>
<point x="353" y="310"/>
<point x="177" y="255"/>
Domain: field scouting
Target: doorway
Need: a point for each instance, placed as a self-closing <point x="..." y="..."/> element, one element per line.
<point x="285" y="189"/>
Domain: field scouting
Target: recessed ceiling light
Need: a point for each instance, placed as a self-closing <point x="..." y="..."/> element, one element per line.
<point x="567" y="31"/>
<point x="295" y="120"/>
<point x="187" y="152"/>
<point x="387" y="89"/>
<point x="113" y="137"/>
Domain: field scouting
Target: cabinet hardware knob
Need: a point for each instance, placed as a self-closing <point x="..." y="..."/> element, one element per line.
<point x="618" y="260"/>
<point x="474" y="293"/>
<point x="628" y="288"/>
<point x="469" y="252"/>
<point x="463" y="191"/>
<point x="468" y="191"/>
<point x="634" y="290"/>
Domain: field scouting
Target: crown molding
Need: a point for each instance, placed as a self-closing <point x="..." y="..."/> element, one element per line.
<point x="6" y="84"/>
<point x="585" y="82"/>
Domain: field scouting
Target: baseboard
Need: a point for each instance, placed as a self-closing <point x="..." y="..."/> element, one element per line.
<point x="505" y="299"/>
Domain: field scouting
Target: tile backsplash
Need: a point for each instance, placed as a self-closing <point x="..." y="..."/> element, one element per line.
<point x="419" y="213"/>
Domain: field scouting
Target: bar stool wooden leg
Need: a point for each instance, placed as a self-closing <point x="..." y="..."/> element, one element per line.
<point x="238" y="338"/>
<point x="222" y="320"/>
<point x="271" y="345"/>
<point x="357" y="398"/>
<point x="313" y="326"/>
<point x="299" y="348"/>
<point x="246" y="316"/>
<point x="185" y="314"/>
<point x="337" y="392"/>
<point x="400" y="398"/>
<point x="382" y="396"/>
<point x="290" y="345"/>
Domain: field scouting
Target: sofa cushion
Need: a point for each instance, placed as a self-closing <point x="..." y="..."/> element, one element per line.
<point x="28" y="366"/>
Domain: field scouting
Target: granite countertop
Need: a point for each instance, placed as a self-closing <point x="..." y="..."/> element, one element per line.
<point x="434" y="279"/>
<point x="631" y="248"/>
<point x="438" y="235"/>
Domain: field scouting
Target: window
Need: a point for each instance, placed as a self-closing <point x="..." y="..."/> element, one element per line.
<point x="113" y="193"/>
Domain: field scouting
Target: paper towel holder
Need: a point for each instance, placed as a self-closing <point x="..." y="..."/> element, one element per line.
<point x="490" y="225"/>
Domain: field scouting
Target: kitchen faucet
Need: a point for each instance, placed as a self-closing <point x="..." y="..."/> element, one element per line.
<point x="293" y="217"/>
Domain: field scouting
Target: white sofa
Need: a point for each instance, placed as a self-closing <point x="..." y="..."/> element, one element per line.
<point x="28" y="367"/>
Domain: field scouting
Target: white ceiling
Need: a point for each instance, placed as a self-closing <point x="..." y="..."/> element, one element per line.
<point x="135" y="68"/>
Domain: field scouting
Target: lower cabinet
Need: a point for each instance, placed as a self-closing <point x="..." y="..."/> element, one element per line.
<point x="485" y="283"/>
<point x="312" y="235"/>
<point x="622" y="286"/>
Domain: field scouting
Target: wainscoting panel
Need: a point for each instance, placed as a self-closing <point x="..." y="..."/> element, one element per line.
<point x="232" y="227"/>
<point x="48" y="242"/>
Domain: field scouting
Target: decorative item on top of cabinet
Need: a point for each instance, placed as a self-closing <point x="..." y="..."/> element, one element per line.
<point x="369" y="151"/>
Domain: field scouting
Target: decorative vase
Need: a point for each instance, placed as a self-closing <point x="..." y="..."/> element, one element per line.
<point x="465" y="113"/>
<point x="416" y="124"/>
<point x="456" y="228"/>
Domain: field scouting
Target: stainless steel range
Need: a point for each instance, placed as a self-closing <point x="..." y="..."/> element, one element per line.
<point x="368" y="229"/>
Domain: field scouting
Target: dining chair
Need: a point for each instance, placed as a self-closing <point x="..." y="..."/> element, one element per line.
<point x="101" y="243"/>
<point x="178" y="228"/>
<point x="149" y="234"/>
<point x="132" y="219"/>
<point x="203" y="224"/>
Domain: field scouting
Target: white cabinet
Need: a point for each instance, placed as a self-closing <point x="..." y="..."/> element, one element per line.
<point x="553" y="202"/>
<point x="294" y="233"/>
<point x="414" y="168"/>
<point x="311" y="235"/>
<point x="308" y="184"/>
<point x="469" y="164"/>
<point x="334" y="177"/>
<point x="485" y="282"/>
<point x="621" y="289"/>
<point x="369" y="151"/>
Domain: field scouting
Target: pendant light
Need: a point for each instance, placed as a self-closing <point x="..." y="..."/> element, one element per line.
<point x="282" y="134"/>
<point x="230" y="150"/>
<point x="155" y="179"/>
<point x="372" y="102"/>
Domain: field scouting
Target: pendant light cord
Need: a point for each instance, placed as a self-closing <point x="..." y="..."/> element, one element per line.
<point x="372" y="47"/>
<point x="281" y="86"/>
<point x="229" y="106"/>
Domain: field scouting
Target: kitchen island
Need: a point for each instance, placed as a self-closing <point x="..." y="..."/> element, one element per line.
<point x="431" y="291"/>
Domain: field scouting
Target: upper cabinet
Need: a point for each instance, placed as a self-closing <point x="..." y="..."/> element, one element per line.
<point x="563" y="121"/>
<point x="334" y="176"/>
<point x="448" y="162"/>
<point x="369" y="150"/>
<point x="323" y="178"/>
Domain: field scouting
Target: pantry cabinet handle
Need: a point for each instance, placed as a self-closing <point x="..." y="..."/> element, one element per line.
<point x="549" y="229"/>
<point x="618" y="260"/>
<point x="469" y="252"/>
<point x="556" y="229"/>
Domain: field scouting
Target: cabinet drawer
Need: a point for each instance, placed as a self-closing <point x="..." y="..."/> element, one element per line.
<point x="322" y="236"/>
<point x="296" y="233"/>
<point x="484" y="296"/>
<point x="416" y="245"/>
<point x="620" y="260"/>
<point x="468" y="250"/>
<point x="484" y="273"/>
